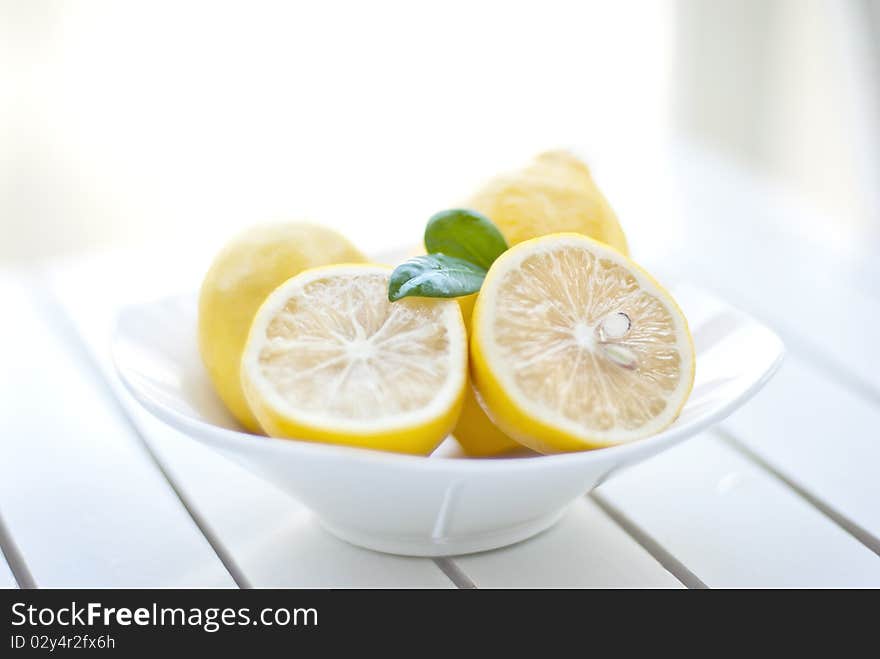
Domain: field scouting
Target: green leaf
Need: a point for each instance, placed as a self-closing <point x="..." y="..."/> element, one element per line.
<point x="464" y="234"/>
<point x="435" y="275"/>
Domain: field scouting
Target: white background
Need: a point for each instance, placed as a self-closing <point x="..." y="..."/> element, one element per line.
<point x="144" y="123"/>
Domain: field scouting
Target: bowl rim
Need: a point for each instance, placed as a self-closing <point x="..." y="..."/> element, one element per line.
<point x="197" y="429"/>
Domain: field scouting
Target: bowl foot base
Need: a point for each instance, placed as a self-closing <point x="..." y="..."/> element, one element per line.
<point x="444" y="546"/>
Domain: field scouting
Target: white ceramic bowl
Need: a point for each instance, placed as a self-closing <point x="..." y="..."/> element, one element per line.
<point x="443" y="504"/>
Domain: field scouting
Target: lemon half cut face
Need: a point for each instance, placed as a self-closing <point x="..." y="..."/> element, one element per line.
<point x="330" y="359"/>
<point x="574" y="346"/>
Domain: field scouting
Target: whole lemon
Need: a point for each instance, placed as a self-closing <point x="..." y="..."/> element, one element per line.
<point x="555" y="193"/>
<point x="242" y="275"/>
<point x="476" y="433"/>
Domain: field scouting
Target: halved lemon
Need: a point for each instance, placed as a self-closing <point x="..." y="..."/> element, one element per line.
<point x="574" y="346"/>
<point x="330" y="359"/>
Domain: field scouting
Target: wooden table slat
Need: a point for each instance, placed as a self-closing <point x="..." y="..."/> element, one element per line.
<point x="733" y="524"/>
<point x="80" y="497"/>
<point x="585" y="549"/>
<point x="821" y="436"/>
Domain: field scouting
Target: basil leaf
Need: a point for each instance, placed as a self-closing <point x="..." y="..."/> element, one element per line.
<point x="464" y="234"/>
<point x="435" y="275"/>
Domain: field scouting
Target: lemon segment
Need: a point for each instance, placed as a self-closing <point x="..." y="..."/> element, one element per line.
<point x="247" y="269"/>
<point x="330" y="359"/>
<point x="575" y="347"/>
<point x="555" y="193"/>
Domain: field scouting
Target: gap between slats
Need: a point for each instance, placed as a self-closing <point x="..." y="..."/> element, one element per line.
<point x="455" y="574"/>
<point x="14" y="558"/>
<point x="672" y="565"/>
<point x="853" y="529"/>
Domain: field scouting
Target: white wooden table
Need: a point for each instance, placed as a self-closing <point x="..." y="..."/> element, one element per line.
<point x="94" y="492"/>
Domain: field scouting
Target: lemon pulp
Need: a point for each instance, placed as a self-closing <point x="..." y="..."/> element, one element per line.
<point x="330" y="359"/>
<point x="575" y="346"/>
